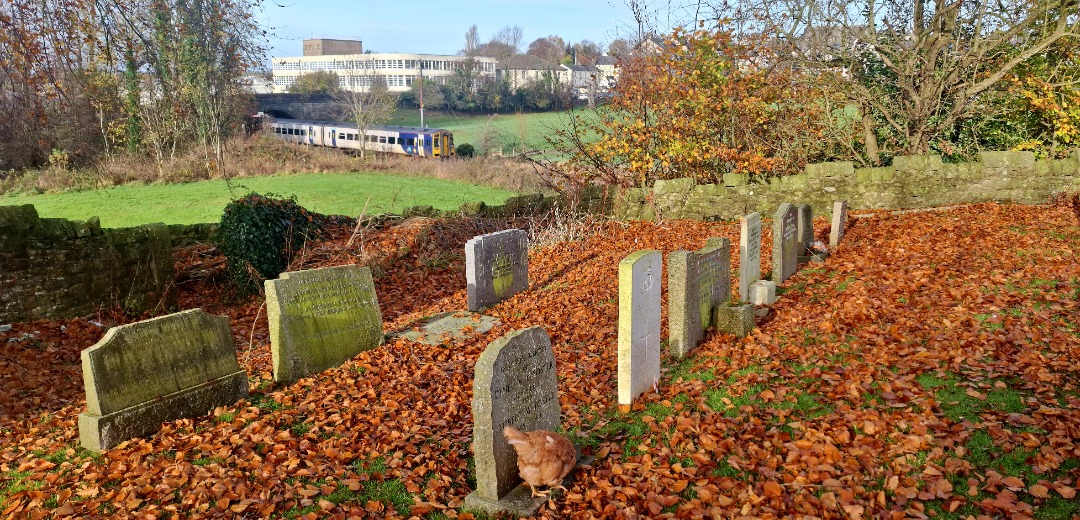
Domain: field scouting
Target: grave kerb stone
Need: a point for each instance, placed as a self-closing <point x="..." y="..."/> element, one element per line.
<point x="162" y="369"/>
<point x="321" y="318"/>
<point x="496" y="267"/>
<point x="749" y="253"/>
<point x="639" y="323"/>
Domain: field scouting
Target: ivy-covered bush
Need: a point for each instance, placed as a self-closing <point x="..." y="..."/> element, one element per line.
<point x="465" y="150"/>
<point x="259" y="234"/>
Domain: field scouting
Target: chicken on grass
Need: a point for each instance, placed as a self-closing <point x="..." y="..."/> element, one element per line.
<point x="544" y="458"/>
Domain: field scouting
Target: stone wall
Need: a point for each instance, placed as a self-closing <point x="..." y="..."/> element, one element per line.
<point x="911" y="182"/>
<point x="52" y="268"/>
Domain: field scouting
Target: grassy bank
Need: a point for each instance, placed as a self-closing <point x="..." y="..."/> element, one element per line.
<point x="509" y="131"/>
<point x="203" y="201"/>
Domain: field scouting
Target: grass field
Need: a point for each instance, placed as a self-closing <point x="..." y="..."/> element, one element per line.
<point x="204" y="201"/>
<point x="486" y="131"/>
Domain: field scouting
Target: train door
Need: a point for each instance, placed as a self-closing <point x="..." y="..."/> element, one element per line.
<point x="436" y="145"/>
<point x="446" y="145"/>
<point x="311" y="135"/>
<point x="427" y="145"/>
<point x="333" y="137"/>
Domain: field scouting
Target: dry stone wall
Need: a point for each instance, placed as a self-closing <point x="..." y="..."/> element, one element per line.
<point x="911" y="182"/>
<point x="54" y="268"/>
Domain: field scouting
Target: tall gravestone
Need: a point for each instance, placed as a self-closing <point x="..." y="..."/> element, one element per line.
<point x="145" y="373"/>
<point x="321" y="318"/>
<point x="514" y="384"/>
<point x="749" y="254"/>
<point x="786" y="242"/>
<point x="806" y="229"/>
<point x="839" y="223"/>
<point x="496" y="267"/>
<point x="697" y="281"/>
<point x="639" y="323"/>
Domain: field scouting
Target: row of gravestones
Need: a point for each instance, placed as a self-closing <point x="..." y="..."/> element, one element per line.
<point x="182" y="365"/>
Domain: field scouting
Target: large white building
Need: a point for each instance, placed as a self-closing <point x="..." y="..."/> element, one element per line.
<point x="356" y="71"/>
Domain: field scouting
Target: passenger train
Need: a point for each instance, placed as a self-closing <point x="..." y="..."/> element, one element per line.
<point x="405" y="140"/>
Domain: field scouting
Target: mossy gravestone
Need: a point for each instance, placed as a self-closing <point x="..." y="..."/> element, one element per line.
<point x="839" y="223"/>
<point x="514" y="384"/>
<point x="321" y="318"/>
<point x="786" y="242"/>
<point x="697" y="281"/>
<point x="749" y="254"/>
<point x="806" y="231"/>
<point x="145" y="373"/>
<point x="639" y="324"/>
<point x="496" y="267"/>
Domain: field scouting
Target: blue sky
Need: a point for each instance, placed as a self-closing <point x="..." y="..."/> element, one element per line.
<point x="439" y="27"/>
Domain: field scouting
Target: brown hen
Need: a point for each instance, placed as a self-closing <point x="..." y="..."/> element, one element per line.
<point x="544" y="457"/>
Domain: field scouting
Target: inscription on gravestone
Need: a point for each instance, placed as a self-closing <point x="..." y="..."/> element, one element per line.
<point x="321" y="318"/>
<point x="142" y="374"/>
<point x="514" y="384"/>
<point x="697" y="281"/>
<point x="749" y="254"/>
<point x="839" y="223"/>
<point x="786" y="242"/>
<point x="496" y="267"/>
<point x="639" y="323"/>
<point x="806" y="229"/>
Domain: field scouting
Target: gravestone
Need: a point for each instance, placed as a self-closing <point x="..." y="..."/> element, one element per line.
<point x="806" y="231"/>
<point x="514" y="384"/>
<point x="839" y="223"/>
<point x="447" y="327"/>
<point x="639" y="323"/>
<point x="749" y="253"/>
<point x="786" y="242"/>
<point x="496" y="267"/>
<point x="145" y="373"/>
<point x="321" y="318"/>
<point x="697" y="281"/>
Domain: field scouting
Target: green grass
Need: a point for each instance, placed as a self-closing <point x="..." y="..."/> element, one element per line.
<point x="507" y="130"/>
<point x="341" y="194"/>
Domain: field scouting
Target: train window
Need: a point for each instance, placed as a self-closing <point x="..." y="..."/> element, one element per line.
<point x="382" y="139"/>
<point x="410" y="141"/>
<point x="303" y="132"/>
<point x="393" y="140"/>
<point x="289" y="131"/>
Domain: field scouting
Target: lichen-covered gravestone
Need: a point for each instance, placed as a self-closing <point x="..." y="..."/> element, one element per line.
<point x="749" y="254"/>
<point x="496" y="267"/>
<point x="321" y="318"/>
<point x="786" y="242"/>
<point x="806" y="230"/>
<point x="697" y="281"/>
<point x="145" y="373"/>
<point x="839" y="223"/>
<point x="639" y="323"/>
<point x="514" y="384"/>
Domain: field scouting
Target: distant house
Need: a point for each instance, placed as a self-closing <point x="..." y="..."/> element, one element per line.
<point x="609" y="71"/>
<point x="582" y="76"/>
<point x="650" y="45"/>
<point x="521" y="69"/>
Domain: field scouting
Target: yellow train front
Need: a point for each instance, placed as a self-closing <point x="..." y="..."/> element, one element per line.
<point x="403" y="140"/>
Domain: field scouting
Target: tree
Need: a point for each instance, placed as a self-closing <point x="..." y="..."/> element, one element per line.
<point x="472" y="42"/>
<point x="317" y="82"/>
<point x="619" y="48"/>
<point x="505" y="43"/>
<point x="914" y="69"/>
<point x="551" y="49"/>
<point x="368" y="100"/>
<point x="586" y="52"/>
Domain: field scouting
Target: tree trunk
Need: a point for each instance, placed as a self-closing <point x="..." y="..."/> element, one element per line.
<point x="870" y="136"/>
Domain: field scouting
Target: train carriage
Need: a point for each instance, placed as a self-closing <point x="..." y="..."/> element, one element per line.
<point x="404" y="140"/>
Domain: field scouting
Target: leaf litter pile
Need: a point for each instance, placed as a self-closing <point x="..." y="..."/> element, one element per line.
<point x="929" y="368"/>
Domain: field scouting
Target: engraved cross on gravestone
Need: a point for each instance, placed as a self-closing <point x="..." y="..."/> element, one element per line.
<point x="639" y="323"/>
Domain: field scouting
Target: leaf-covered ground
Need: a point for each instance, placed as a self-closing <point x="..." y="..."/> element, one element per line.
<point x="928" y="368"/>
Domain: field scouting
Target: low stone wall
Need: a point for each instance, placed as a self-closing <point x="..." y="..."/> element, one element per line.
<point x="190" y="234"/>
<point x="911" y="182"/>
<point x="53" y="268"/>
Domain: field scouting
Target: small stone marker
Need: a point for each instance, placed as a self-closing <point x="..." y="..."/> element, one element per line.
<point x="839" y="223"/>
<point x="749" y="254"/>
<point x="763" y="292"/>
<point x="786" y="243"/>
<point x="162" y="369"/>
<point x="639" y="323"/>
<point x="496" y="267"/>
<point x="514" y="384"/>
<point x="321" y="318"/>
<point x="697" y="282"/>
<point x="734" y="319"/>
<point x="806" y="230"/>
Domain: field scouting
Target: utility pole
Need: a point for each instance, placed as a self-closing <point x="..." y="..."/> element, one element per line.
<point x="421" y="93"/>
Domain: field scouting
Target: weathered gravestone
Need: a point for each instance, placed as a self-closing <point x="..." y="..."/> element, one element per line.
<point x="806" y="231"/>
<point x="639" y="323"/>
<point x="697" y="282"/>
<point x="514" y="384"/>
<point x="447" y="327"/>
<point x="145" y="373"/>
<point x="496" y="267"/>
<point x="320" y="318"/>
<point x="786" y="243"/>
<point x="839" y="223"/>
<point x="749" y="253"/>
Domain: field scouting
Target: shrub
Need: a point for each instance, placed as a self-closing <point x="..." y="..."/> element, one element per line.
<point x="466" y="150"/>
<point x="259" y="234"/>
